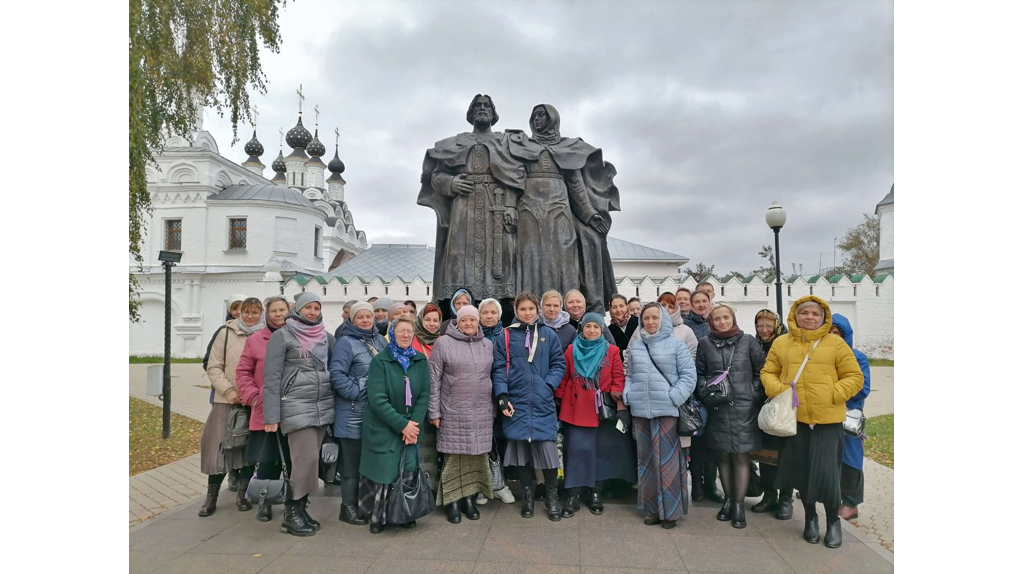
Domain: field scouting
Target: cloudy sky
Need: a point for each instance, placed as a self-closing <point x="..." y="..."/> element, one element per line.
<point x="708" y="110"/>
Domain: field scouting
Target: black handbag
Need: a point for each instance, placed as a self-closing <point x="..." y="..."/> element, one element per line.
<point x="237" y="433"/>
<point x="408" y="502"/>
<point x="270" y="490"/>
<point x="715" y="389"/>
<point x="690" y="421"/>
<point x="606" y="406"/>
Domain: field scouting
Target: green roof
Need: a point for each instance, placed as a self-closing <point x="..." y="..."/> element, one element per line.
<point x="301" y="279"/>
<point x="814" y="278"/>
<point x="881" y="278"/>
<point x="858" y="277"/>
<point x="835" y="278"/>
<point x="792" y="279"/>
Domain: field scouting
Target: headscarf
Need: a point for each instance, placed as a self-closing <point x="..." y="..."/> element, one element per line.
<point x="768" y="314"/>
<point x="394" y="309"/>
<point x="422" y="333"/>
<point x="664" y="324"/>
<point x="257" y="327"/>
<point x="557" y="322"/>
<point x="310" y="334"/>
<point x="403" y="356"/>
<point x="588" y="356"/>
<point x="723" y="335"/>
<point x="492" y="333"/>
<point x="625" y="318"/>
<point x="551" y="132"/>
<point x="451" y="304"/>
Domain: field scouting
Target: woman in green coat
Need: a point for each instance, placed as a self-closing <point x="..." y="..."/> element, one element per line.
<point x="398" y="390"/>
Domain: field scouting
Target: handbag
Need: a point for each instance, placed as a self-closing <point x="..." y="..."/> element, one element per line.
<point x="408" y="502"/>
<point x="497" y="476"/>
<point x="778" y="415"/>
<point x="262" y="491"/>
<point x="606" y="407"/>
<point x="716" y="390"/>
<point x="854" y="423"/>
<point x="237" y="433"/>
<point x="690" y="421"/>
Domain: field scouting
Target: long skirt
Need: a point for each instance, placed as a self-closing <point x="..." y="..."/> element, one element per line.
<point x="809" y="462"/>
<point x="262" y="451"/>
<point x="597" y="453"/>
<point x="464" y="475"/>
<point x="539" y="454"/>
<point x="373" y="497"/>
<point x="213" y="459"/>
<point x="427" y="447"/>
<point x="660" y="483"/>
<point x="851" y="485"/>
<point x="304" y="445"/>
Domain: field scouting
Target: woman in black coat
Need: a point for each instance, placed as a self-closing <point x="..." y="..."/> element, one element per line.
<point x="769" y="328"/>
<point x="732" y="427"/>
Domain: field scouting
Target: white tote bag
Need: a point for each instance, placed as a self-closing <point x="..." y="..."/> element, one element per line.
<point x="778" y="415"/>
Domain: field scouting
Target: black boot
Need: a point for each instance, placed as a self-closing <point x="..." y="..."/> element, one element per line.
<point x="551" y="501"/>
<point x="233" y="481"/>
<point x="376" y="528"/>
<point x="785" y="508"/>
<point x="210" y="504"/>
<point x="265" y="514"/>
<point x="241" y="500"/>
<point x="305" y="513"/>
<point x="596" y="507"/>
<point x="454" y="516"/>
<point x="697" y="488"/>
<point x="295" y="520"/>
<point x="739" y="515"/>
<point x="469" y="508"/>
<point x="572" y="503"/>
<point x="769" y="503"/>
<point x="350" y="515"/>
<point x="527" y="511"/>
<point x="725" y="513"/>
<point x="834" y="534"/>
<point x="811" y="529"/>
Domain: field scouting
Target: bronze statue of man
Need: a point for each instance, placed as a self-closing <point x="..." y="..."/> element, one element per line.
<point x="473" y="184"/>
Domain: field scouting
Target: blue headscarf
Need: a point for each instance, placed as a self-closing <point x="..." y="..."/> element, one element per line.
<point x="403" y="356"/>
<point x="588" y="356"/>
<point x="451" y="304"/>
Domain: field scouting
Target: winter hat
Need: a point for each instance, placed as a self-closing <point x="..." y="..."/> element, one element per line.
<point x="467" y="311"/>
<point x="382" y="303"/>
<point x="359" y="306"/>
<point x="305" y="298"/>
<point x="237" y="297"/>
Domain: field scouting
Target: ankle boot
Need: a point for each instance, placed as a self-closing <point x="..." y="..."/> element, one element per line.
<point x="596" y="507"/>
<point x="572" y="503"/>
<point x="527" y="511"/>
<point x="454" y="516"/>
<point x="739" y="515"/>
<point x="241" y="500"/>
<point x="551" y="501"/>
<point x="834" y="534"/>
<point x="295" y="520"/>
<point x="304" y="507"/>
<point x="210" y="504"/>
<point x="726" y="512"/>
<point x="469" y="508"/>
<point x="785" y="508"/>
<point x="350" y="515"/>
<point x="265" y="514"/>
<point x="811" y="529"/>
<point x="697" y="488"/>
<point x="769" y="503"/>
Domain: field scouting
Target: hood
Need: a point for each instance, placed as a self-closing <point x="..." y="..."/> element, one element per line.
<point x="804" y="335"/>
<point x="349" y="329"/>
<point x="664" y="329"/>
<point x="843" y="324"/>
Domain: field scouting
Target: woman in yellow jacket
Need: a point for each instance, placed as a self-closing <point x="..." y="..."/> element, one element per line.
<point x="810" y="460"/>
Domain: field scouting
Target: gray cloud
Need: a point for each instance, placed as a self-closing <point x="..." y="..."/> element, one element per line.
<point x="709" y="110"/>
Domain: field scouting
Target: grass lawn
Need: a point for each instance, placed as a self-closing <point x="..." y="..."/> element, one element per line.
<point x="142" y="359"/>
<point x="880" y="362"/>
<point x="879" y="446"/>
<point x="146" y="447"/>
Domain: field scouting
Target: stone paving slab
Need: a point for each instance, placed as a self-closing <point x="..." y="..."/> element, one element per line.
<point x="501" y="542"/>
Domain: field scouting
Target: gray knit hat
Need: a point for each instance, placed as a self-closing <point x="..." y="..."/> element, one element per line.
<point x="383" y="303"/>
<point x="360" y="306"/>
<point x="305" y="298"/>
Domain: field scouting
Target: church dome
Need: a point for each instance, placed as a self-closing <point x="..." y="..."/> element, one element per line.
<point x="298" y="137"/>
<point x="254" y="148"/>
<point x="315" y="148"/>
<point x="336" y="165"/>
<point x="278" y="166"/>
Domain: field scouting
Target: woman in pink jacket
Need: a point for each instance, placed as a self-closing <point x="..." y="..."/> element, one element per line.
<point x="249" y="378"/>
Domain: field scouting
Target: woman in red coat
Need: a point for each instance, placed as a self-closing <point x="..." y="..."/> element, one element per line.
<point x="594" y="450"/>
<point x="249" y="379"/>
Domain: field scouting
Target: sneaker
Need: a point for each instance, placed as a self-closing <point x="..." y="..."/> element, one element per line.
<point x="505" y="495"/>
<point x="481" y="499"/>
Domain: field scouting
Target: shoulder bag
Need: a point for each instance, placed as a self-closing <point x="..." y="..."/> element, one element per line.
<point x="237" y="433"/>
<point x="854" y="423"/>
<point x="715" y="389"/>
<point x="778" y="415"/>
<point x="690" y="420"/>
<point x="409" y="501"/>
<point x="270" y="490"/>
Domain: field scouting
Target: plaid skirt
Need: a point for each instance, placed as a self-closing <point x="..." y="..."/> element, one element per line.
<point x="373" y="497"/>
<point x="464" y="475"/>
<point x="661" y="484"/>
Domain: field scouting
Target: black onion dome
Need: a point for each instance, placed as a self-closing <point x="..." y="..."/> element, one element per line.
<point x="298" y="137"/>
<point x="315" y="148"/>
<point x="254" y="147"/>
<point x="278" y="165"/>
<point x="336" y="165"/>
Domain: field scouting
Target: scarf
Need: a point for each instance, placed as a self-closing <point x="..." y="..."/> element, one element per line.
<point x="257" y="327"/>
<point x="621" y="324"/>
<point x="492" y="333"/>
<point x="426" y="337"/>
<point x="677" y="318"/>
<point x="403" y="356"/>
<point x="588" y="356"/>
<point x="311" y="336"/>
<point x="723" y="335"/>
<point x="558" y="322"/>
<point x="451" y="304"/>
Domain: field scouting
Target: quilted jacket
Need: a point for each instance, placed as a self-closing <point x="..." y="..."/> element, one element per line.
<point x="461" y="394"/>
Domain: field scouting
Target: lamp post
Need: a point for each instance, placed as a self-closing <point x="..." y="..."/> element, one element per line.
<point x="776" y="218"/>
<point x="168" y="258"/>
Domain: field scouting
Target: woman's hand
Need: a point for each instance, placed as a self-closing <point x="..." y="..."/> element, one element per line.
<point x="436" y="423"/>
<point x="410" y="433"/>
<point x="233" y="397"/>
<point x="617" y="396"/>
<point x="505" y="406"/>
<point x="270" y="428"/>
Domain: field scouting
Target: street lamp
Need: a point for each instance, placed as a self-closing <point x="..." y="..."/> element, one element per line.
<point x="168" y="258"/>
<point x="776" y="218"/>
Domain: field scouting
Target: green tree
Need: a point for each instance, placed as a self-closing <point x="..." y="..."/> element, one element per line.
<point x="184" y="55"/>
<point x="860" y="246"/>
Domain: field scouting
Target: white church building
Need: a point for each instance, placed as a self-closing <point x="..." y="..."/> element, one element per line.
<point x="304" y="237"/>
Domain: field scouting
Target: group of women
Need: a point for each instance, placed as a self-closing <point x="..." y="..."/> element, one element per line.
<point x="484" y="391"/>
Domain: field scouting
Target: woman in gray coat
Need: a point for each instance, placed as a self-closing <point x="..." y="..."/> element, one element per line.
<point x="462" y="409"/>
<point x="732" y="428"/>
<point x="297" y="397"/>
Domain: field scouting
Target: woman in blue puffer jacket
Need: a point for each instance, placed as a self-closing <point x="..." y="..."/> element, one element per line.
<point x="660" y="378"/>
<point x="528" y="367"/>
<point x="851" y="472"/>
<point x="359" y="343"/>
